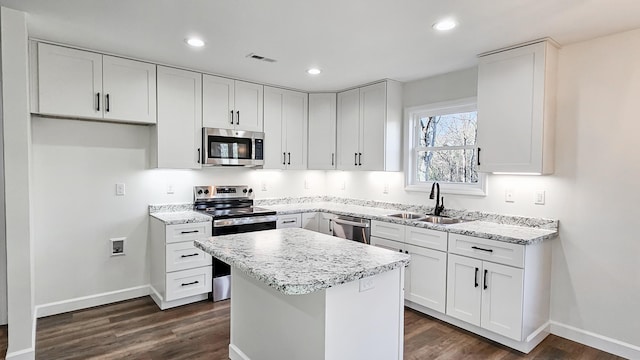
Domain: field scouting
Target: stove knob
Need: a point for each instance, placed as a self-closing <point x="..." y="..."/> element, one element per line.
<point x="206" y="191"/>
<point x="200" y="192"/>
<point x="250" y="190"/>
<point x="244" y="191"/>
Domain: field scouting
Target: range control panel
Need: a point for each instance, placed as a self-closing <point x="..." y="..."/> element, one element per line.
<point x="222" y="192"/>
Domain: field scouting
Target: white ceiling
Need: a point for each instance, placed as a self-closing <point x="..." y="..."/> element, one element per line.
<point x="352" y="41"/>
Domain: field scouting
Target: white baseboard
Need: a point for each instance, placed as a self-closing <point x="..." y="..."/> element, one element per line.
<point x="25" y="354"/>
<point x="597" y="341"/>
<point x="236" y="354"/>
<point x="84" y="302"/>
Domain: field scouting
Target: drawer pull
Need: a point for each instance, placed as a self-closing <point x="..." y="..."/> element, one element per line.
<point x="476" y="278"/>
<point x="481" y="249"/>
<point x="190" y="255"/>
<point x="288" y="221"/>
<point x="191" y="283"/>
<point x="190" y="232"/>
<point x="485" y="278"/>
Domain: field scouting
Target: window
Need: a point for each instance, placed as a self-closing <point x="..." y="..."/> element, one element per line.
<point x="442" y="147"/>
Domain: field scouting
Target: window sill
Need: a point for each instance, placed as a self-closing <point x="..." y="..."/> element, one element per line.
<point x="469" y="190"/>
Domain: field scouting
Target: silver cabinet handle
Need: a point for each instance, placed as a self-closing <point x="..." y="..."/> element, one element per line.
<point x="288" y="221"/>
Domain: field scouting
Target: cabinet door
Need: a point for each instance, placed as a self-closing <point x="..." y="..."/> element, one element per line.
<point x="248" y="106"/>
<point x="510" y="110"/>
<point x="322" y="132"/>
<point x="69" y="82"/>
<point x="348" y="129"/>
<point x="325" y="223"/>
<point x="274" y="151"/>
<point x="294" y="118"/>
<point x="310" y="221"/>
<point x="464" y="288"/>
<point x="428" y="281"/>
<point x="502" y="300"/>
<point x="217" y="102"/>
<point x="129" y="90"/>
<point x="373" y="114"/>
<point x="179" y="126"/>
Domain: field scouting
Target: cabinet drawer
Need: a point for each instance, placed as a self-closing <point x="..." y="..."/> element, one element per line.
<point x="184" y="255"/>
<point x="289" y="221"/>
<point x="188" y="232"/>
<point x="432" y="239"/>
<point x="186" y="283"/>
<point x="387" y="230"/>
<point x="485" y="249"/>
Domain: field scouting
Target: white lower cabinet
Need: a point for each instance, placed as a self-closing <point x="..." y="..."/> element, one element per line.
<point x="496" y="289"/>
<point x="310" y="221"/>
<point x="426" y="276"/>
<point x="486" y="294"/>
<point x="289" y="221"/>
<point x="180" y="272"/>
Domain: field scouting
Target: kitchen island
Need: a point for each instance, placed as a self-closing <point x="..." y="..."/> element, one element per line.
<point x="298" y="294"/>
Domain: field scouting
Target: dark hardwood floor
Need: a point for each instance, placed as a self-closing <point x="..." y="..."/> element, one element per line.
<point x="137" y="329"/>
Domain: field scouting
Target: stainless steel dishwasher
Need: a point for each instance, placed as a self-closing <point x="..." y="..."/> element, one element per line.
<point x="352" y="228"/>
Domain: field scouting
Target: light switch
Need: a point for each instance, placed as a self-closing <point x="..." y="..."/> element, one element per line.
<point x="539" y="199"/>
<point x="120" y="189"/>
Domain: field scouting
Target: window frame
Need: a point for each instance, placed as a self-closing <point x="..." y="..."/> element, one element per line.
<point x="412" y="116"/>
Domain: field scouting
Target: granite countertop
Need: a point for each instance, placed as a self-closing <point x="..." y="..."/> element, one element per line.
<point x="517" y="230"/>
<point x="181" y="217"/>
<point x="297" y="261"/>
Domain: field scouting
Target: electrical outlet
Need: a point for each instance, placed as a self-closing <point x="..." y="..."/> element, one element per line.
<point x="343" y="185"/>
<point x="539" y="198"/>
<point x="385" y="188"/>
<point x="367" y="284"/>
<point x="120" y="189"/>
<point x="263" y="186"/>
<point x="170" y="189"/>
<point x="306" y="184"/>
<point x="508" y="195"/>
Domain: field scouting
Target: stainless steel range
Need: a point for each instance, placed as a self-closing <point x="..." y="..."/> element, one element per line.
<point x="233" y="212"/>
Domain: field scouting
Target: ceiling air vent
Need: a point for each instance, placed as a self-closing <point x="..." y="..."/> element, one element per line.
<point x="261" y="58"/>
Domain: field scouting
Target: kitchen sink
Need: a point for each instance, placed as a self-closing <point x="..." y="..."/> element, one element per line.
<point x="407" y="216"/>
<point x="440" y="220"/>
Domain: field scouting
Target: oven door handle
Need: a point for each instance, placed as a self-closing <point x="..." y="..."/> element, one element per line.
<point x="352" y="223"/>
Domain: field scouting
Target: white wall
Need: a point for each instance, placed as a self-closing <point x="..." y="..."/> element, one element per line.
<point x="76" y="165"/>
<point x="17" y="147"/>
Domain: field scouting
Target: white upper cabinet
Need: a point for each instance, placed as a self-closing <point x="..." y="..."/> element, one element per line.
<point x="516" y="109"/>
<point x="285" y="128"/>
<point x="369" y="127"/>
<point x="83" y="84"/>
<point x="232" y="104"/>
<point x="69" y="82"/>
<point x="129" y="89"/>
<point x="178" y="134"/>
<point x="322" y="132"/>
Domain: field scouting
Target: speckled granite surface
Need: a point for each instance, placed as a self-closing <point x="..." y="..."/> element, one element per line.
<point x="298" y="261"/>
<point x="170" y="207"/>
<point x="181" y="217"/>
<point x="513" y="229"/>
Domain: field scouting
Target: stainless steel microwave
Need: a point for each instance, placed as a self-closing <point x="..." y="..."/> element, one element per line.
<point x="224" y="147"/>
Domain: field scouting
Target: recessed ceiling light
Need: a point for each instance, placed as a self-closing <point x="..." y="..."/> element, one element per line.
<point x="195" y="42"/>
<point x="444" y="25"/>
<point x="314" y="71"/>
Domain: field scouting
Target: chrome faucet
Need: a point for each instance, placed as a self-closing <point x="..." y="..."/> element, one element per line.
<point x="439" y="205"/>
